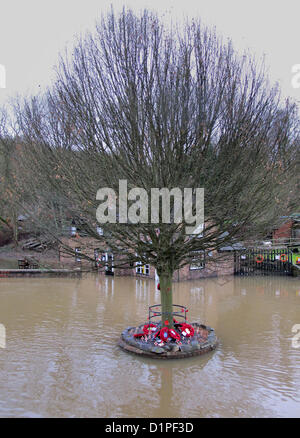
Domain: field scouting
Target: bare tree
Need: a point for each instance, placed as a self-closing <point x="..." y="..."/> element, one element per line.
<point x="8" y="175"/>
<point x="163" y="108"/>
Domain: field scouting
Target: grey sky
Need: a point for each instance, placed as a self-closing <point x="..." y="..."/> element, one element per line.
<point x="33" y="32"/>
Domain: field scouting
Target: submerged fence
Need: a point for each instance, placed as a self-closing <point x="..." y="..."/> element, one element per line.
<point x="260" y="261"/>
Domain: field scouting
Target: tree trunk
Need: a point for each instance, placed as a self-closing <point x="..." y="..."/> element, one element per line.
<point x="166" y="295"/>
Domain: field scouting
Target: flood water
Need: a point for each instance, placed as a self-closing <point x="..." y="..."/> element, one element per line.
<point x="61" y="357"/>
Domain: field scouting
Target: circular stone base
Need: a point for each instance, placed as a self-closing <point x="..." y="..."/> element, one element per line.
<point x="198" y="344"/>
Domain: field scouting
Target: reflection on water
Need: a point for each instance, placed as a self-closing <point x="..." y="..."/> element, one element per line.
<point x="61" y="357"/>
<point x="8" y="263"/>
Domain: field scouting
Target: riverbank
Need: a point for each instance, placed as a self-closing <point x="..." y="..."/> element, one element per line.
<point x="13" y="273"/>
<point x="48" y="259"/>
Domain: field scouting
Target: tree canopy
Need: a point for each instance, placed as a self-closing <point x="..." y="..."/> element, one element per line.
<point x="161" y="107"/>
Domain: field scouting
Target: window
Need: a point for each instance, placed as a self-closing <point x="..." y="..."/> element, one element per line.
<point x="199" y="261"/>
<point x="77" y="253"/>
<point x="198" y="232"/>
<point x="142" y="269"/>
<point x="100" y="231"/>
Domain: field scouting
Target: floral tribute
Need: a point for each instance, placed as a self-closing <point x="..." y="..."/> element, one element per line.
<point x="164" y="340"/>
<point x="160" y="336"/>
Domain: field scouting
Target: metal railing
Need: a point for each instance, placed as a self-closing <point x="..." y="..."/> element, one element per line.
<point x="263" y="261"/>
<point x="179" y="311"/>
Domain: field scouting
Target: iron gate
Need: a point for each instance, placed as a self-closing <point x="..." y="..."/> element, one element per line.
<point x="260" y="261"/>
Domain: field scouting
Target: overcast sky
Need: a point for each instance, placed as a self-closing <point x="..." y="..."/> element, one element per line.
<point x="34" y="32"/>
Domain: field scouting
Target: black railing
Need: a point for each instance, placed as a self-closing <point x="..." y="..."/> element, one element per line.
<point x="261" y="261"/>
<point x="155" y="312"/>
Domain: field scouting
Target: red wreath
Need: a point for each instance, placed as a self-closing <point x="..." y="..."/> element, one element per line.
<point x="147" y="328"/>
<point x="156" y="334"/>
<point x="173" y="334"/>
<point x="187" y="330"/>
<point x="164" y="334"/>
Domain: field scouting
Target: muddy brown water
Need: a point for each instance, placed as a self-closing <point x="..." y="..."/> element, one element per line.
<point x="61" y="357"/>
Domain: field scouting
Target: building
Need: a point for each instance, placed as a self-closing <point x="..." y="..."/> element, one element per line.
<point x="287" y="231"/>
<point x="211" y="264"/>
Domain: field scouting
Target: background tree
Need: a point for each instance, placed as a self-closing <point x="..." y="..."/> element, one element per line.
<point x="162" y="107"/>
<point x="8" y="175"/>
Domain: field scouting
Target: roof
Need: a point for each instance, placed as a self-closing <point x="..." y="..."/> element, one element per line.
<point x="234" y="247"/>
